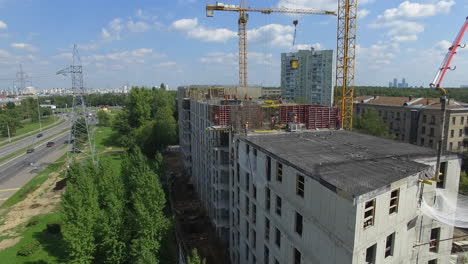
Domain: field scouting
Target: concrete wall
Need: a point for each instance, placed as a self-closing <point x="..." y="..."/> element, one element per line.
<point x="333" y="230"/>
<point x="206" y="159"/>
<point x="328" y="219"/>
<point x="406" y="236"/>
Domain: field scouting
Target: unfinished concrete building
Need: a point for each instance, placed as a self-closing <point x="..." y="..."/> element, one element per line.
<point x="334" y="197"/>
<point x="308" y="196"/>
<point x="207" y="117"/>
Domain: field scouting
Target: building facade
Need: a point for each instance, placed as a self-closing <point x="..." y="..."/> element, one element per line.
<point x="418" y="120"/>
<point x="312" y="196"/>
<point x="308" y="74"/>
<point x="309" y="198"/>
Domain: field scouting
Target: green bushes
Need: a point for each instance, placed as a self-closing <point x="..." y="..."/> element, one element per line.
<point x="29" y="248"/>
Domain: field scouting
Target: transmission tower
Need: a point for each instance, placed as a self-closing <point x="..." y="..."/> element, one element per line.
<point x="80" y="133"/>
<point x="21" y="79"/>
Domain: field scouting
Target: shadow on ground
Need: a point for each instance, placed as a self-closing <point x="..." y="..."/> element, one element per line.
<point x="53" y="244"/>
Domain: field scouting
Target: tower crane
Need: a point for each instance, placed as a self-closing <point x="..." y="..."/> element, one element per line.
<point x="242" y="23"/>
<point x="436" y="83"/>
<point x="345" y="60"/>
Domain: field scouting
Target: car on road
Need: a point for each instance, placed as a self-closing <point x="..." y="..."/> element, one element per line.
<point x="39" y="135"/>
<point x="30" y="150"/>
<point x="50" y="144"/>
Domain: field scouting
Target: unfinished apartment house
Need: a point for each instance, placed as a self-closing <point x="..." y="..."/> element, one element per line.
<point x="334" y="197"/>
<point x="418" y="120"/>
<point x="208" y="115"/>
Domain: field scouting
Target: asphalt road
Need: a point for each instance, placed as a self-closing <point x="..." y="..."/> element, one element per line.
<point x="23" y="143"/>
<point x="18" y="171"/>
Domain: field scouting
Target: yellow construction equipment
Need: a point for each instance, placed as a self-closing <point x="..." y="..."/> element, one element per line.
<point x="242" y="22"/>
<point x="294" y="64"/>
<point x="345" y="60"/>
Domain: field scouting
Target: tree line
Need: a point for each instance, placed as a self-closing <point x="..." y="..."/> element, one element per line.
<point x="459" y="94"/>
<point x="148" y="120"/>
<point x="13" y="117"/>
<point x="62" y="101"/>
<point x="113" y="217"/>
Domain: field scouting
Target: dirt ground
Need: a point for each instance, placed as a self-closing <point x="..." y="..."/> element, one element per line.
<point x="193" y="226"/>
<point x="41" y="201"/>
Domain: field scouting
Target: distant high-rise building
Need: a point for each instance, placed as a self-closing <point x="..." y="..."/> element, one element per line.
<point x="308" y="74"/>
<point x="395" y="82"/>
<point x="463" y="86"/>
<point x="390" y="84"/>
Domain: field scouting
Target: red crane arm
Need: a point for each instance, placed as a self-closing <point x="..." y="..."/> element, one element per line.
<point x="448" y="58"/>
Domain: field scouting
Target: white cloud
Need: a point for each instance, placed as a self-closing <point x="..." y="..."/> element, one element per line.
<point x="4" y="54"/>
<point x="408" y="9"/>
<point x="275" y="35"/>
<point x="401" y="30"/>
<point x="375" y="56"/>
<point x="138" y="27"/>
<point x="307" y="4"/>
<point x="232" y="59"/>
<point x="362" y="13"/>
<point x="137" y="56"/>
<point x="316" y="46"/>
<point x="24" y="46"/>
<point x="105" y="34"/>
<point x="113" y="31"/>
<point x="443" y="45"/>
<point x="3" y="25"/>
<point x="190" y="27"/>
<point x="365" y="2"/>
<point x="118" y="26"/>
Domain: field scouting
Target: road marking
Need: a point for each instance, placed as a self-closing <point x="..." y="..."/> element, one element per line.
<point x="51" y="138"/>
<point x="7" y="190"/>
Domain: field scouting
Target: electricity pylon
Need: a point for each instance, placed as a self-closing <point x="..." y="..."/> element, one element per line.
<point x="80" y="134"/>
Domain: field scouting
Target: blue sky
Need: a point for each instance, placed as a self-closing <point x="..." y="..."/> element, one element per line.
<point x="146" y="42"/>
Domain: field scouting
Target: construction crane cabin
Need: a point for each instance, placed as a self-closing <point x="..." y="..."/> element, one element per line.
<point x="242" y="23"/>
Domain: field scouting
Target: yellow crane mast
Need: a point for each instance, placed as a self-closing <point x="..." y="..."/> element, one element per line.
<point x="345" y="60"/>
<point x="242" y="23"/>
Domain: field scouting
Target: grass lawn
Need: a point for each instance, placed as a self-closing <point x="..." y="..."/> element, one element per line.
<point x="51" y="247"/>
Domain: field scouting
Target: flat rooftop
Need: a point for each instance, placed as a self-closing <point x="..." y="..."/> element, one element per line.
<point x="343" y="160"/>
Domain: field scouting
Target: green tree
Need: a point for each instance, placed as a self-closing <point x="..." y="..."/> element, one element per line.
<point x="110" y="225"/>
<point x="80" y="212"/>
<point x="104" y="118"/>
<point x="371" y="123"/>
<point x="138" y="106"/>
<point x="145" y="221"/>
<point x="10" y="105"/>
<point x="195" y="258"/>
